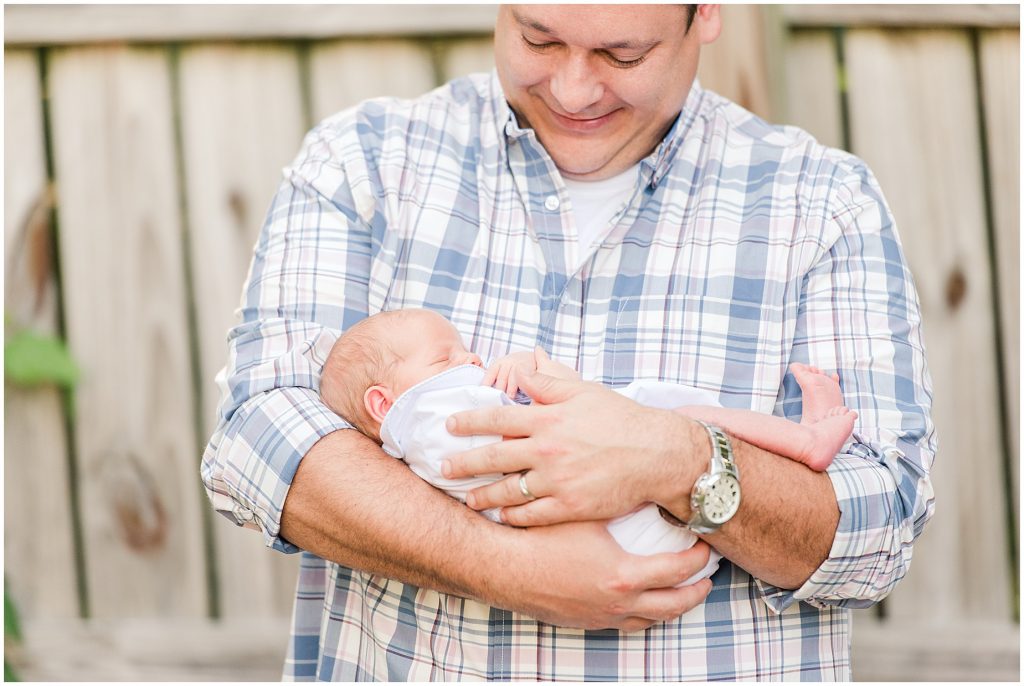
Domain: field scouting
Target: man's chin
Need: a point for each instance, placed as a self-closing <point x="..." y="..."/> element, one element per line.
<point x="593" y="171"/>
<point x="579" y="161"/>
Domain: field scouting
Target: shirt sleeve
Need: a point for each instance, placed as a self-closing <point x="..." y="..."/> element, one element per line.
<point x="307" y="281"/>
<point x="859" y="315"/>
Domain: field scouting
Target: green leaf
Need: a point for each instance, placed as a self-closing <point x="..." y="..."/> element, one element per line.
<point x="12" y="625"/>
<point x="9" y="673"/>
<point x="33" y="360"/>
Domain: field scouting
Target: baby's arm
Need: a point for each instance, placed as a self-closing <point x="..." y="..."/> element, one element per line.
<point x="505" y="372"/>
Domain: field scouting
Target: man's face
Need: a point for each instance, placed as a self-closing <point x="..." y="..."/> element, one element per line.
<point x="599" y="84"/>
<point x="426" y="344"/>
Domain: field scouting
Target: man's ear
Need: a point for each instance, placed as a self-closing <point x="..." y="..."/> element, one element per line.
<point x="708" y="23"/>
<point x="377" y="401"/>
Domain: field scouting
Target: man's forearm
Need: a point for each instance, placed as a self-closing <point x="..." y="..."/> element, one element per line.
<point x="787" y="519"/>
<point x="352" y="504"/>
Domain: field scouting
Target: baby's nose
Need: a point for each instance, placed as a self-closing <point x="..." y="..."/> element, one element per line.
<point x="474" y="359"/>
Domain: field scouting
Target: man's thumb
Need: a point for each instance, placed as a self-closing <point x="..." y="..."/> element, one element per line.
<point x="548" y="390"/>
<point x="540" y="356"/>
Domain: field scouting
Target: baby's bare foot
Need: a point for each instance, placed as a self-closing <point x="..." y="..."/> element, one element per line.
<point x="828" y="436"/>
<point x="820" y="391"/>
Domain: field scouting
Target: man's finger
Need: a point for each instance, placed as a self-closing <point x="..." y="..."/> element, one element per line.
<point x="635" y="624"/>
<point x="511" y="421"/>
<point x="547" y="390"/>
<point x="665" y="604"/>
<point x="666" y="570"/>
<point x="539" y="512"/>
<point x="501" y="493"/>
<point x="500" y="457"/>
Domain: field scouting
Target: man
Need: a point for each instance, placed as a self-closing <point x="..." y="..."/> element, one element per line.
<point x="715" y="251"/>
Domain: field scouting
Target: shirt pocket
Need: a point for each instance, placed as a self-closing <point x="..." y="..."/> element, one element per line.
<point x="725" y="334"/>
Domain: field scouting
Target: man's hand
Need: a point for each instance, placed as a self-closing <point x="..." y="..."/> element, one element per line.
<point x="625" y="592"/>
<point x="588" y="453"/>
<point x="341" y="506"/>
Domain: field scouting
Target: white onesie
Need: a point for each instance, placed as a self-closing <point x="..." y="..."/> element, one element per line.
<point x="414" y="431"/>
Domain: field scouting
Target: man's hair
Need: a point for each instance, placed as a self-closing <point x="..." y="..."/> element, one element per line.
<point x="361" y="357"/>
<point x="691" y="12"/>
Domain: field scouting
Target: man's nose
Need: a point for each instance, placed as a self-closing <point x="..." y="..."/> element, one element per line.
<point x="575" y="85"/>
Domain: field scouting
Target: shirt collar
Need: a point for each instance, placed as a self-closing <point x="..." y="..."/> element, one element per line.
<point x="652" y="168"/>
<point x="655" y="166"/>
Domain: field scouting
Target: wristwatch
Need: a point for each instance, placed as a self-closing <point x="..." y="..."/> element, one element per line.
<point x="715" y="497"/>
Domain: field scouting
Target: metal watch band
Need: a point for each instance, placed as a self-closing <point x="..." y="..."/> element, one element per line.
<point x="722" y="462"/>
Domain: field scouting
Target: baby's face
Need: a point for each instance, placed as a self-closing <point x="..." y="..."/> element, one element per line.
<point x="426" y="344"/>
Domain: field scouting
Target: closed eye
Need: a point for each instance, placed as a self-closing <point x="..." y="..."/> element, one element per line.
<point x="624" y="64"/>
<point x="539" y="47"/>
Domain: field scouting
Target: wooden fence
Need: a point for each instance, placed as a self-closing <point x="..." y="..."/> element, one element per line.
<point x="142" y="147"/>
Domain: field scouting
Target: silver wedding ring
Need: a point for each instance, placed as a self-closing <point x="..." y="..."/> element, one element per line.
<point x="524" y="489"/>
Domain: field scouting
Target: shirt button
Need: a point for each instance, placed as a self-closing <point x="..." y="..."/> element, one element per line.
<point x="242" y="515"/>
<point x="551" y="203"/>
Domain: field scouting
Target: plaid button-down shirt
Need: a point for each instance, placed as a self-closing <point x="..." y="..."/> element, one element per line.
<point x="744" y="247"/>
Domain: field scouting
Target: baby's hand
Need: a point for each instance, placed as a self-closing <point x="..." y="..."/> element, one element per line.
<point x="505" y="372"/>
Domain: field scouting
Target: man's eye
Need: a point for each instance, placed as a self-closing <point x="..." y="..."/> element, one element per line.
<point x="625" y="63"/>
<point x="539" y="47"/>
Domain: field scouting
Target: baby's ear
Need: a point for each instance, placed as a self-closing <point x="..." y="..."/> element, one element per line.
<point x="377" y="401"/>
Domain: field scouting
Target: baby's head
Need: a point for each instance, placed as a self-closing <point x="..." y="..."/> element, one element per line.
<point x="383" y="356"/>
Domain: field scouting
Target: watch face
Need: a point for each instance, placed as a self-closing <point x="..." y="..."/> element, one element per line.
<point x="722" y="499"/>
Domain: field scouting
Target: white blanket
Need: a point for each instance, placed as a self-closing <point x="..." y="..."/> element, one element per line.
<point x="414" y="431"/>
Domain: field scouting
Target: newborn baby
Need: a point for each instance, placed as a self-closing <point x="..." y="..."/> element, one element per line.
<point x="396" y="377"/>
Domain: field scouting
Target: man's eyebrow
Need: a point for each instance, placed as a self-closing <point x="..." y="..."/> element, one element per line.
<point x="531" y="23"/>
<point x="638" y="45"/>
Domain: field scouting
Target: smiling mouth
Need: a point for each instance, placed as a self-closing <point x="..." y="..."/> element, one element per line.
<point x="582" y="125"/>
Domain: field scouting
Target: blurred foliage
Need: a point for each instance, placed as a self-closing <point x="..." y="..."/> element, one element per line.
<point x="31" y="360"/>
<point x="12" y="635"/>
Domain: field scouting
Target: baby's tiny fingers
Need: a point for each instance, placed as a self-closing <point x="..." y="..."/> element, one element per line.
<point x="511" y="386"/>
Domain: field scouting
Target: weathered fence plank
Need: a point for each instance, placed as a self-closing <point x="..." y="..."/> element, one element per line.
<point x="918" y="87"/>
<point x="39" y="562"/>
<point x="121" y="256"/>
<point x="242" y="120"/>
<point x="878" y="14"/>
<point x="144" y="649"/>
<point x="468" y="56"/>
<point x="812" y="86"/>
<point x="736" y="65"/>
<point x="968" y="652"/>
<point x="42" y="24"/>
<point x="1000" y="80"/>
<point x="345" y="73"/>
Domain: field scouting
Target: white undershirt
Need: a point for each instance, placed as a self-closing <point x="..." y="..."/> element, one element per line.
<point x="595" y="203"/>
